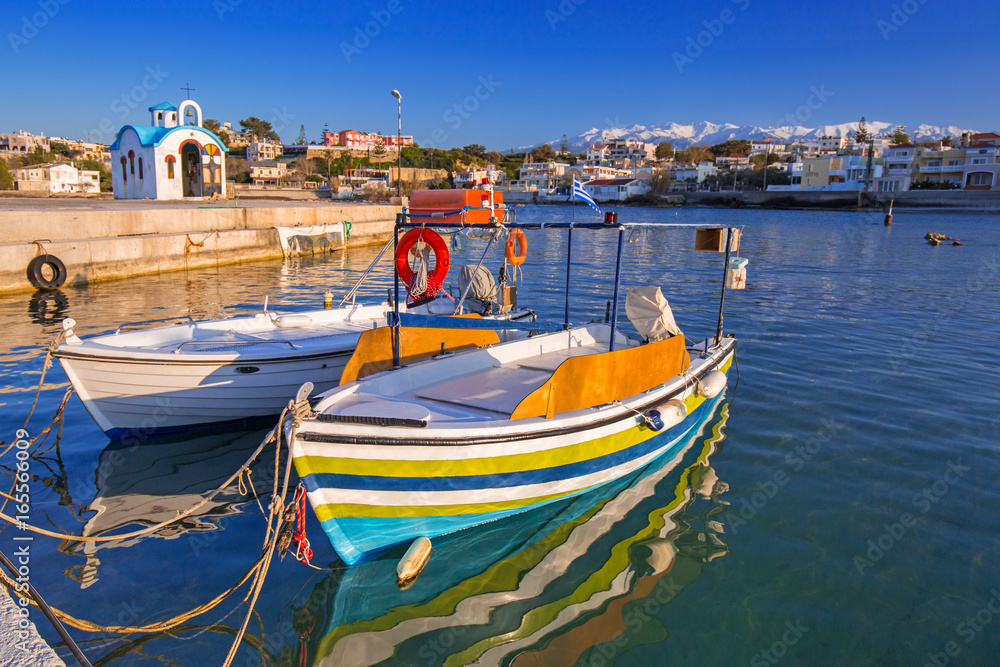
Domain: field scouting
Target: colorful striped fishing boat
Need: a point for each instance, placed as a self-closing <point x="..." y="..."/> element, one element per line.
<point x="441" y="445"/>
<point x="553" y="584"/>
<point x="436" y="430"/>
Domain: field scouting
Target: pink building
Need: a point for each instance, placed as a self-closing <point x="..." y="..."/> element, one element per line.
<point x="362" y="140"/>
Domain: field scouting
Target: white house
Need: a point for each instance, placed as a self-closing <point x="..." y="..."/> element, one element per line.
<point x="542" y="175"/>
<point x="172" y="158"/>
<point x="618" y="189"/>
<point x="51" y="177"/>
<point x="697" y="173"/>
<point x="259" y="151"/>
<point x="267" y="172"/>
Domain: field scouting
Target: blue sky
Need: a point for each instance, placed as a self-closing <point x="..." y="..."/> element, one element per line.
<point x="503" y="74"/>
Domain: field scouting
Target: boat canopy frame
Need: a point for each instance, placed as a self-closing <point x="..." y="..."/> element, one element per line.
<point x="407" y="220"/>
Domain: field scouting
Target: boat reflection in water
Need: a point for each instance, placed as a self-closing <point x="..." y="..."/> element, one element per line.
<point x="546" y="587"/>
<point x="143" y="485"/>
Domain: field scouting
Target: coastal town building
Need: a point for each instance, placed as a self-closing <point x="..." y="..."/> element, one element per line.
<point x="269" y="172"/>
<point x="542" y="175"/>
<point x="355" y="140"/>
<point x="618" y="189"/>
<point x="365" y="177"/>
<point x="840" y="172"/>
<point x="694" y="173"/>
<point x="733" y="161"/>
<point x="22" y="142"/>
<point x="264" y="150"/>
<point x="598" y="154"/>
<point x="974" y="165"/>
<point x="768" y="147"/>
<point x="833" y="143"/>
<point x="899" y="171"/>
<point x="479" y="176"/>
<point x="592" y="172"/>
<point x="57" y="178"/>
<point x="171" y="158"/>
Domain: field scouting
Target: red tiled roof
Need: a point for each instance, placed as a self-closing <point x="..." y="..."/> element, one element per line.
<point x="985" y="135"/>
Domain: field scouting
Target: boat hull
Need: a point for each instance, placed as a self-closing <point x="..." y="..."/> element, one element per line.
<point x="143" y="398"/>
<point x="370" y="495"/>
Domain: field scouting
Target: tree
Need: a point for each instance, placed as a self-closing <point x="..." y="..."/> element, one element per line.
<point x="948" y="140"/>
<point x="862" y="135"/>
<point x="328" y="157"/>
<point x="326" y="131"/>
<point x="758" y="160"/>
<point x="6" y="179"/>
<point x="301" y="141"/>
<point x="215" y="127"/>
<point x="695" y="154"/>
<point x="900" y="136"/>
<point x="378" y="151"/>
<point x="258" y="129"/>
<point x="563" y="145"/>
<point x="664" y="151"/>
<point x="731" y="147"/>
<point x="543" y="153"/>
<point x="475" y="150"/>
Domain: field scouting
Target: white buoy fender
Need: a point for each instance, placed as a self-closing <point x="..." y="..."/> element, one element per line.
<point x="292" y="321"/>
<point x="413" y="562"/>
<point x="713" y="384"/>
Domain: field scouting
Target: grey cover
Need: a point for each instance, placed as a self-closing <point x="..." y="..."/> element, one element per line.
<point x="650" y="314"/>
<point x="484" y="286"/>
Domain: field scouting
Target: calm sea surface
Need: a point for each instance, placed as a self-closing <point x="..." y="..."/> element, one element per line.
<point x="841" y="506"/>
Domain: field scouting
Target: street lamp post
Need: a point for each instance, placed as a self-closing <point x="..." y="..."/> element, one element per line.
<point x="399" y="142"/>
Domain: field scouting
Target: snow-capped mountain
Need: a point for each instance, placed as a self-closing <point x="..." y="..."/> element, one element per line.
<point x="682" y="136"/>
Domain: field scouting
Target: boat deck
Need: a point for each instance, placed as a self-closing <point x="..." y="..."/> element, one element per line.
<point x="501" y="389"/>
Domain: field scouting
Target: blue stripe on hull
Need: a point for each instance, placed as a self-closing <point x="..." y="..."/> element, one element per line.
<point x="357" y="539"/>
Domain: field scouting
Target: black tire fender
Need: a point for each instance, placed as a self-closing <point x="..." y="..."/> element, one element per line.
<point x="38" y="279"/>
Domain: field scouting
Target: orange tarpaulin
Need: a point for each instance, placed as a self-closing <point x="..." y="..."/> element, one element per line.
<point x="596" y="379"/>
<point x="374" y="351"/>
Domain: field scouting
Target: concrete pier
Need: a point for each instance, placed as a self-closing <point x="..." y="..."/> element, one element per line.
<point x="105" y="240"/>
<point x="18" y="650"/>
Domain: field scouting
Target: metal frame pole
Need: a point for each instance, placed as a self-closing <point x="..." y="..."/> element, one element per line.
<point x="722" y="299"/>
<point x="618" y="278"/>
<point x="395" y="301"/>
<point x="569" y="259"/>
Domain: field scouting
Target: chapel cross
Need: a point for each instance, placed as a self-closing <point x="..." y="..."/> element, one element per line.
<point x="188" y="88"/>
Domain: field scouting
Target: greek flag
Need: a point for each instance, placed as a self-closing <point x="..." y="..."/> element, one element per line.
<point x="579" y="191"/>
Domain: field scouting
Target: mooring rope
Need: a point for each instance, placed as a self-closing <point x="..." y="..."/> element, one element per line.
<point x="45" y="366"/>
<point x="257" y="571"/>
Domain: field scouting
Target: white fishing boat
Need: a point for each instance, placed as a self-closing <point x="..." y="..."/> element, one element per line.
<point x="168" y="378"/>
<point x="433" y="446"/>
<point x="144" y="381"/>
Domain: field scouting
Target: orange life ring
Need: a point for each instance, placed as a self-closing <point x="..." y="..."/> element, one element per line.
<point x="518" y="238"/>
<point x="435" y="278"/>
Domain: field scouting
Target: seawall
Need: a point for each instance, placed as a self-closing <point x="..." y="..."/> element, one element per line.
<point x="941" y="199"/>
<point x="107" y="240"/>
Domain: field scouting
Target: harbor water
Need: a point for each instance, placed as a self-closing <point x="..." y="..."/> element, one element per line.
<point x="840" y="506"/>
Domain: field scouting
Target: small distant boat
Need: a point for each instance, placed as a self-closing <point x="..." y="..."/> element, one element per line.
<point x="434" y="446"/>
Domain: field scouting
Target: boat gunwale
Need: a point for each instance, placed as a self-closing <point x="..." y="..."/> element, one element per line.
<point x="709" y="363"/>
